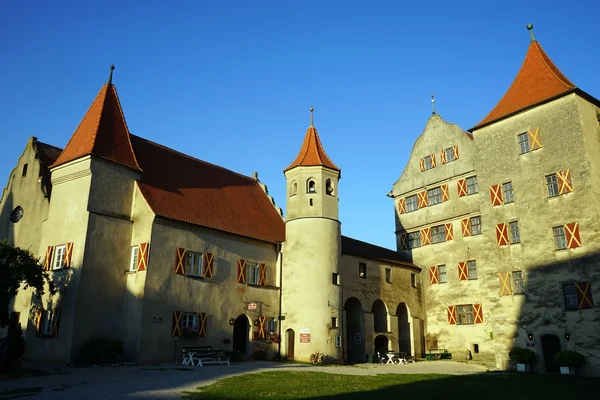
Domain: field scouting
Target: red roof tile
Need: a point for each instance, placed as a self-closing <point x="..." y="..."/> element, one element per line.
<point x="538" y="81"/>
<point x="182" y="188"/>
<point x="312" y="152"/>
<point x="102" y="133"/>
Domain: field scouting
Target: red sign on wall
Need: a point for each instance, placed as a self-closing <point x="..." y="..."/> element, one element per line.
<point x="305" y="338"/>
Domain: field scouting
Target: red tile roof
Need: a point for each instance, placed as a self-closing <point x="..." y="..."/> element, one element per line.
<point x="312" y="152"/>
<point x="357" y="248"/>
<point x="102" y="133"/>
<point x="182" y="188"/>
<point x="538" y="81"/>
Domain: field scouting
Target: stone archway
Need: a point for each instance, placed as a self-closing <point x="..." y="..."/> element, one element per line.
<point x="380" y="316"/>
<point x="381" y="344"/>
<point x="403" y="315"/>
<point x="550" y="346"/>
<point x="241" y="330"/>
<point x="355" y="328"/>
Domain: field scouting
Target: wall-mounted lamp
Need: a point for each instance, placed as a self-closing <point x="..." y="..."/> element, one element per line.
<point x="567" y="336"/>
<point x="231" y="321"/>
<point x="530" y="336"/>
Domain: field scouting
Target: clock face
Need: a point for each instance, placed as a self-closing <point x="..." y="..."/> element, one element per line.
<point x="16" y="214"/>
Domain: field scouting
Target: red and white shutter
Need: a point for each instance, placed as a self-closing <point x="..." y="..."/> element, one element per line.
<point x="434" y="276"/>
<point x="534" y="139"/>
<point x="572" y="235"/>
<point x="477" y="314"/>
<point x="208" y="264"/>
<point x="452" y="315"/>
<point x="425" y="236"/>
<point x="496" y="195"/>
<point x="179" y="261"/>
<point x="241" y="272"/>
<point x="443" y="156"/>
<point x="564" y="182"/>
<point x="432" y="156"/>
<point x="262" y="322"/>
<point x="461" y="187"/>
<point x="502" y="234"/>
<point x="422" y="164"/>
<point x="403" y="240"/>
<point x="445" y="193"/>
<point x="48" y="262"/>
<point x="422" y="196"/>
<point x="455" y="150"/>
<point x="449" y="231"/>
<point x="142" y="261"/>
<point x="262" y="275"/>
<point x="401" y="206"/>
<point x="463" y="273"/>
<point x="465" y="225"/>
<point x="68" y="255"/>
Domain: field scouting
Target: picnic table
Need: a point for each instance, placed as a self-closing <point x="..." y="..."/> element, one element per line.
<point x="438" y="354"/>
<point x="203" y="355"/>
<point x="395" y="358"/>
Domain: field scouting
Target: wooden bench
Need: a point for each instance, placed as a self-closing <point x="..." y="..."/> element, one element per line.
<point x="438" y="354"/>
<point x="203" y="355"/>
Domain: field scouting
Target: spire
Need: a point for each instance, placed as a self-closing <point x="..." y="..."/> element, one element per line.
<point x="102" y="132"/>
<point x="112" y="68"/>
<point x="530" y="29"/>
<point x="311" y="115"/>
<point x="537" y="82"/>
<point x="432" y="105"/>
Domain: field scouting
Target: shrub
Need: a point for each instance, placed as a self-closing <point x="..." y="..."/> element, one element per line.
<point x="317" y="358"/>
<point x="101" y="351"/>
<point x="569" y="358"/>
<point x="522" y="355"/>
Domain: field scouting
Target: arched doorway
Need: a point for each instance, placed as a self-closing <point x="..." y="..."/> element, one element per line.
<point x="380" y="316"/>
<point x="403" y="329"/>
<point x="550" y="346"/>
<point x="355" y="325"/>
<point x="241" y="329"/>
<point x="290" y="338"/>
<point x="381" y="345"/>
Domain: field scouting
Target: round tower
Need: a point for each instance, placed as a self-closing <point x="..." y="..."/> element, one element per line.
<point x="311" y="297"/>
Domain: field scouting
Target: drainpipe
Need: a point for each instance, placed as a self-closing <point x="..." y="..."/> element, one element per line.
<point x="279" y="248"/>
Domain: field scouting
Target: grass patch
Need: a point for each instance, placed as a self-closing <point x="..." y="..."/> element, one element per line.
<point x="304" y="385"/>
<point x="20" y="392"/>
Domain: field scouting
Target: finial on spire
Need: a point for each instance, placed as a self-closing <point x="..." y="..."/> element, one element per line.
<point x="530" y="29"/>
<point x="432" y="105"/>
<point x="112" y="68"/>
<point x="311" y="115"/>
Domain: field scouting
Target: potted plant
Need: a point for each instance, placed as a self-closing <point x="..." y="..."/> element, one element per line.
<point x="568" y="361"/>
<point x="523" y="357"/>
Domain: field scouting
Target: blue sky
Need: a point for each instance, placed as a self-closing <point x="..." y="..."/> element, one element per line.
<point x="231" y="82"/>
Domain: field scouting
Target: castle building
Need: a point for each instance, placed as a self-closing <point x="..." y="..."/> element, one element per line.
<point x="504" y="219"/>
<point x="162" y="250"/>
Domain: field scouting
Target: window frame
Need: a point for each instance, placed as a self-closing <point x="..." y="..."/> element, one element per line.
<point x="472" y="231"/>
<point x="135" y="252"/>
<point x="416" y="237"/>
<point x="434" y="196"/>
<point x="388" y="275"/>
<point x="185" y="317"/>
<point x="252" y="273"/>
<point x="552" y="188"/>
<point x="335" y="278"/>
<point x="470" y="275"/>
<point x="311" y="183"/>
<point x="49" y="316"/>
<point x="465" y="311"/>
<point x="413" y="280"/>
<point x="523" y="143"/>
<point x="511" y="233"/>
<point x="449" y="152"/>
<point x="474" y="184"/>
<point x="508" y="196"/>
<point x="445" y="273"/>
<point x="439" y="233"/>
<point x="55" y="256"/>
<point x="411" y="203"/>
<point x="574" y="294"/>
<point x="271" y="325"/>
<point x="186" y="265"/>
<point x="427" y="163"/>
<point x="362" y="270"/>
<point x="334" y="323"/>
<point x="520" y="287"/>
<point x="556" y="237"/>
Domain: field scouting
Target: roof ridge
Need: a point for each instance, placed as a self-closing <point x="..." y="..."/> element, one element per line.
<point x="49" y="145"/>
<point x="124" y="120"/>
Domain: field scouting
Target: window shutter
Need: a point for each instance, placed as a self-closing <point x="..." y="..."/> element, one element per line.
<point x="443" y="156"/>
<point x="48" y="263"/>
<point x="564" y="182"/>
<point x="572" y="235"/>
<point x="455" y="150"/>
<point x="208" y="270"/>
<point x="401" y="206"/>
<point x="68" y="254"/>
<point x="403" y="240"/>
<point x="262" y="276"/>
<point x="445" y="194"/>
<point x="452" y="315"/>
<point x="466" y="227"/>
<point x="179" y="260"/>
<point x="461" y="186"/>
<point x="463" y="273"/>
<point x="176" y="327"/>
<point x="449" y="231"/>
<point x="202" y="330"/>
<point x="502" y="234"/>
<point x="55" y="322"/>
<point x="434" y="275"/>
<point x="241" y="275"/>
<point x="432" y="160"/>
<point x="422" y="198"/>
<point x="496" y="195"/>
<point x="477" y="314"/>
<point x="39" y="317"/>
<point x="584" y="295"/>
<point x="142" y="261"/>
<point x="422" y="164"/>
<point x="262" y="320"/>
<point x="425" y="236"/>
<point x="534" y="139"/>
<point x="505" y="288"/>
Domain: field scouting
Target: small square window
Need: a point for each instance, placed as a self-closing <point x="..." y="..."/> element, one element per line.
<point x="411" y="203"/>
<point x="193" y="263"/>
<point x="475" y="226"/>
<point x="552" y="185"/>
<point x="59" y="257"/>
<point x="472" y="270"/>
<point x="507" y="191"/>
<point x="334" y="322"/>
<point x="570" y="294"/>
<point x="335" y="279"/>
<point x="438" y="234"/>
<point x="362" y="270"/>
<point x="560" y="239"/>
<point x="449" y="154"/>
<point x="475" y="348"/>
<point x="472" y="185"/>
<point x="188" y="320"/>
<point x="414" y="240"/>
<point x="515" y="235"/>
<point x="524" y="143"/>
<point x="519" y="287"/>
<point x="427" y="163"/>
<point x="413" y="280"/>
<point x="443" y="276"/>
<point x="464" y="314"/>
<point x="252" y="273"/>
<point x="134" y="258"/>
<point x="24" y="172"/>
<point x="388" y="275"/>
<point x="434" y="196"/>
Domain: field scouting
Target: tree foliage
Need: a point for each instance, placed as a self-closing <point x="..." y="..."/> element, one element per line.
<point x="19" y="269"/>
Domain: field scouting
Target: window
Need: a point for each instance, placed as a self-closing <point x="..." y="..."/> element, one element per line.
<point x="519" y="287"/>
<point x="293" y="188"/>
<point x="472" y="270"/>
<point x="311" y="186"/>
<point x="388" y="275"/>
<point x="524" y="143"/>
<point x="413" y="280"/>
<point x="443" y="276"/>
<point x="414" y="240"/>
<point x="328" y="187"/>
<point x="578" y="296"/>
<point x="434" y="196"/>
<point x="560" y="239"/>
<point x="475" y="348"/>
<point x="271" y="325"/>
<point x="193" y="263"/>
<point x="449" y="154"/>
<point x="412" y="203"/>
<point x="464" y="314"/>
<point x="310" y="202"/>
<point x="438" y="234"/>
<point x="335" y="279"/>
<point x="48" y="322"/>
<point x="552" y="184"/>
<point x="24" y="173"/>
<point x="334" y="322"/>
<point x="570" y="293"/>
<point x="188" y="320"/>
<point x="362" y="270"/>
<point x="507" y="190"/>
<point x="427" y="163"/>
<point x="475" y="226"/>
<point x="134" y="258"/>
<point x="515" y="236"/>
<point x="59" y="257"/>
<point x="472" y="185"/>
<point x="252" y="273"/>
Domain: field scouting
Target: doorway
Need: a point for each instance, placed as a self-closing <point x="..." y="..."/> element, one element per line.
<point x="355" y="327"/>
<point x="381" y="345"/>
<point x="550" y="346"/>
<point x="290" y="338"/>
<point x="241" y="328"/>
<point x="404" y="329"/>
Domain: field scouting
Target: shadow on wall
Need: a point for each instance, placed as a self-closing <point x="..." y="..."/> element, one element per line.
<point x="6" y="225"/>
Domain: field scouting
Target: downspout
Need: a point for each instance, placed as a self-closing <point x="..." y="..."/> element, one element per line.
<point x="279" y="248"/>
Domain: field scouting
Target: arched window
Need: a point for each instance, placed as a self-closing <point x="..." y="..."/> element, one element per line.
<point x="311" y="186"/>
<point x="293" y="188"/>
<point x="328" y="187"/>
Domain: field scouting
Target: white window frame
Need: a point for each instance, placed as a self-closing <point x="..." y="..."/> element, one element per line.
<point x="514" y="232"/>
<point x="413" y="280"/>
<point x="186" y="317"/>
<point x="464" y="314"/>
<point x="474" y="183"/>
<point x="135" y="252"/>
<point x="449" y="154"/>
<point x="472" y="267"/>
<point x="195" y="267"/>
<point x="507" y="192"/>
<point x="271" y="325"/>
<point x="48" y="319"/>
<point x="473" y="231"/>
<point x="59" y="256"/>
<point x="445" y="273"/>
<point x="252" y="273"/>
<point x="560" y="237"/>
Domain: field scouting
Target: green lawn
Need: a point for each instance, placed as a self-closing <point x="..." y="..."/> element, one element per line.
<point x="318" y="385"/>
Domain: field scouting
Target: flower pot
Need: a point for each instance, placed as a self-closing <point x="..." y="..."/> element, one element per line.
<point x="522" y="367"/>
<point x="567" y="371"/>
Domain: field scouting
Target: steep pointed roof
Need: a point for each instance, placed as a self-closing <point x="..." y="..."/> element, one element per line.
<point x="312" y="152"/>
<point x="538" y="81"/>
<point x="102" y="132"/>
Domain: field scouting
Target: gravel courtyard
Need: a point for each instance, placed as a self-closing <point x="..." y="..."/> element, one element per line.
<point x="169" y="381"/>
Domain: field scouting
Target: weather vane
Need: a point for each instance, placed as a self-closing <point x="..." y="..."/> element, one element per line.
<point x="530" y="29"/>
<point x="311" y="115"/>
<point x="432" y="105"/>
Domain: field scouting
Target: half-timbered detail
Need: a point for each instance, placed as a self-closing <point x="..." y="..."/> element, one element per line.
<point x="496" y="194"/>
<point x="502" y="234"/>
